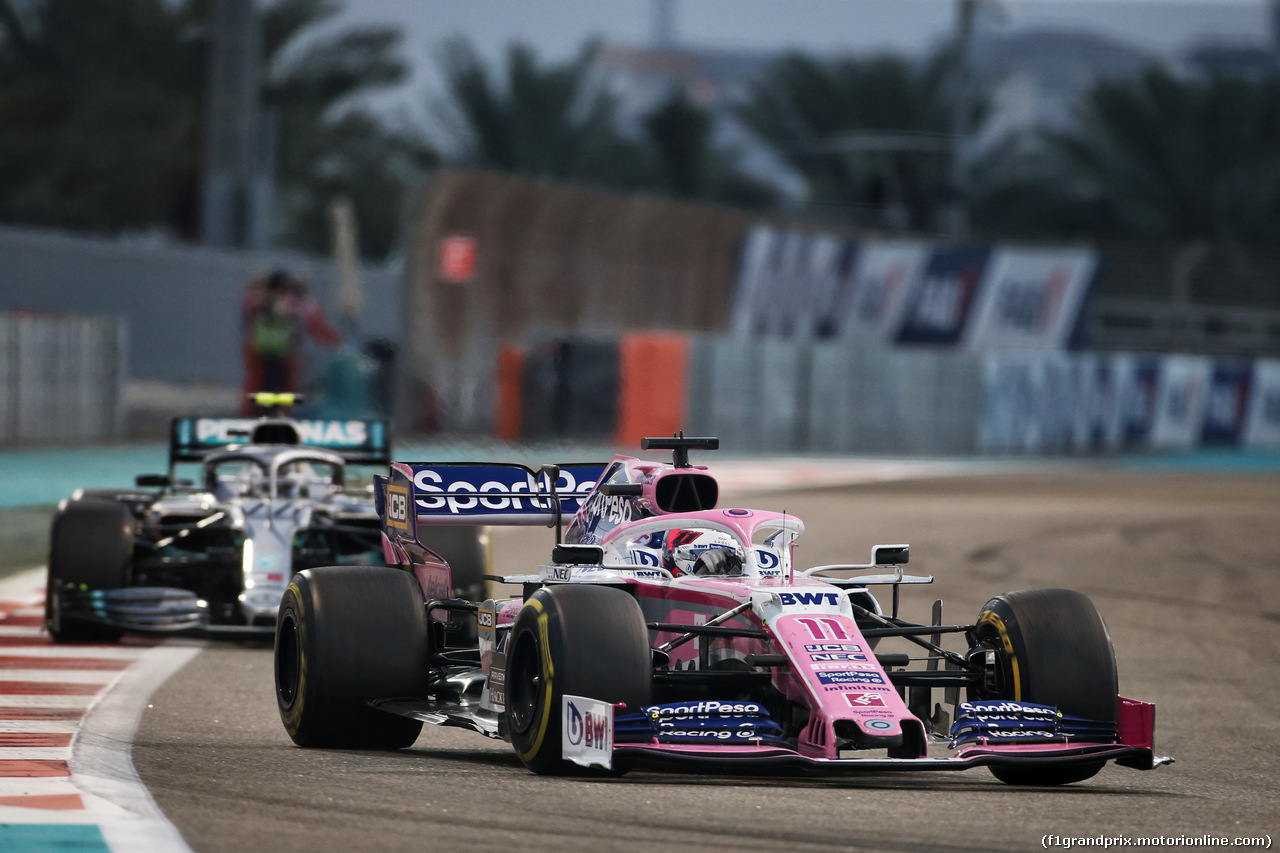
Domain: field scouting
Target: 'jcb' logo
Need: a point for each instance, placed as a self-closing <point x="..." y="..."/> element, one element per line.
<point x="485" y="618"/>
<point x="398" y="507"/>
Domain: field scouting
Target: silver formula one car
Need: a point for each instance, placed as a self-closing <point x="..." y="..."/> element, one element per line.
<point x="666" y="627"/>
<point x="216" y="553"/>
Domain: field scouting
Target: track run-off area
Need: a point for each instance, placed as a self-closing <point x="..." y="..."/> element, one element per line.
<point x="176" y="744"/>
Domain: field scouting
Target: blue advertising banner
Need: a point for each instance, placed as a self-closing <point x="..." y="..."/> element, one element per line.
<point x="939" y="309"/>
<point x="1262" y="424"/>
<point x="814" y="285"/>
<point x="1180" y="401"/>
<point x="1139" y="383"/>
<point x="1031" y="297"/>
<point x="1097" y="412"/>
<point x="1227" y="404"/>
<point x="793" y="283"/>
<point x="885" y="274"/>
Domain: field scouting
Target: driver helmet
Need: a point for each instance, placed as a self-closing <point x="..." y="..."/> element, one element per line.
<point x="250" y="481"/>
<point x="295" y="481"/>
<point x="681" y="550"/>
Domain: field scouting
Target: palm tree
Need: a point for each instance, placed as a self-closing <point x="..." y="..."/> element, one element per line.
<point x="101" y="110"/>
<point x="554" y="121"/>
<point x="690" y="164"/>
<point x="1178" y="159"/>
<point x="871" y="137"/>
<point x="99" y="114"/>
<point x="326" y="146"/>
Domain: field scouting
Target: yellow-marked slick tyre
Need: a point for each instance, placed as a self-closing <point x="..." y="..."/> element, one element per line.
<point x="347" y="635"/>
<point x="90" y="547"/>
<point x="575" y="639"/>
<point x="1052" y="648"/>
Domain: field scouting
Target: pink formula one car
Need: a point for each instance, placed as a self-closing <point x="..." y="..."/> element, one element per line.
<point x="667" y="628"/>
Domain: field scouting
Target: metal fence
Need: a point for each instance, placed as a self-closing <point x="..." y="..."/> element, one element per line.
<point x="61" y="378"/>
<point x="1133" y="324"/>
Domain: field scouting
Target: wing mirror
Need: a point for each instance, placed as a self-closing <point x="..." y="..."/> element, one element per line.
<point x="890" y="555"/>
<point x="577" y="555"/>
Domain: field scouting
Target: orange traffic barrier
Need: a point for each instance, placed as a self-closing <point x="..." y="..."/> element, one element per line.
<point x="653" y="374"/>
<point x="510" y="415"/>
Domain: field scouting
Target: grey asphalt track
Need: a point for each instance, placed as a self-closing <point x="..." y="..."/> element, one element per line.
<point x="1184" y="567"/>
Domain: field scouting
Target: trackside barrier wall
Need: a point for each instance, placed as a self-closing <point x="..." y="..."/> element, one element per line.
<point x="794" y="396"/>
<point x="182" y="303"/>
<point x="570" y="390"/>
<point x="789" y="396"/>
<point x="61" y="378"/>
<point x="1102" y="402"/>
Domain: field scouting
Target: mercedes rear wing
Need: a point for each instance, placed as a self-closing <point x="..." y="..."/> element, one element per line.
<point x="359" y="442"/>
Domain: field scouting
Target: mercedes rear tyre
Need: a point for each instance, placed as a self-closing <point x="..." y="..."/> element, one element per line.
<point x="346" y="636"/>
<point x="90" y="548"/>
<point x="577" y="640"/>
<point x="1052" y="648"/>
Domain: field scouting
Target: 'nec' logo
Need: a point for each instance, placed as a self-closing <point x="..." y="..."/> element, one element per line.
<point x="398" y="507"/>
<point x="792" y="598"/>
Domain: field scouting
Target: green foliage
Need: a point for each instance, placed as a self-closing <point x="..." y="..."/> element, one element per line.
<point x="803" y="106"/>
<point x="101" y="118"/>
<point x="1157" y="157"/>
<point x="689" y="163"/>
<point x="552" y="121"/>
<point x="681" y="134"/>
<point x="558" y="121"/>
<point x="357" y="157"/>
<point x="325" y="148"/>
<point x="1180" y="159"/>
<point x="91" y="136"/>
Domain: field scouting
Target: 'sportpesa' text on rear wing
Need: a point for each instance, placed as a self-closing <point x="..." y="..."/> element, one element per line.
<point x="481" y="493"/>
<point x="360" y="442"/>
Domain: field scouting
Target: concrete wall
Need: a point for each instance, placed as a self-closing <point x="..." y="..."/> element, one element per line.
<point x="773" y="395"/>
<point x="795" y="396"/>
<point x="181" y="303"/>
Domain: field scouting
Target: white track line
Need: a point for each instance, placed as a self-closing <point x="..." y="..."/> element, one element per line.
<point x="74" y="703"/>
<point x="100" y="761"/>
<point x="122" y="653"/>
<point x="61" y="676"/>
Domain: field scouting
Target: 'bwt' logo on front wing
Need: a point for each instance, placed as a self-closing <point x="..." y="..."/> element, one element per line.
<point x="791" y="599"/>
<point x="589" y="729"/>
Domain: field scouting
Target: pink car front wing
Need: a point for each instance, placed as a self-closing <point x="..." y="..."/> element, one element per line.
<point x="832" y="670"/>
